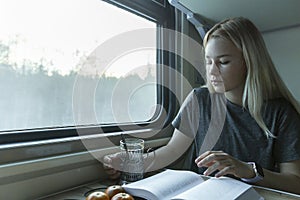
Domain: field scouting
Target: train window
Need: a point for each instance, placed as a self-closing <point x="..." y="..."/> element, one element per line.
<point x="46" y="51"/>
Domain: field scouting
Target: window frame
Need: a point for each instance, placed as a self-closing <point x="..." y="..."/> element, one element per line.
<point x="156" y="10"/>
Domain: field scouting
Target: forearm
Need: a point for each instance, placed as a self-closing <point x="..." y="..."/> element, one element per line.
<point x="280" y="181"/>
<point x="287" y="180"/>
<point x="166" y="155"/>
<point x="160" y="158"/>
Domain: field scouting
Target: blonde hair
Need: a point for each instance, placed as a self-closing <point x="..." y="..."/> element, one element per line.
<point x="263" y="81"/>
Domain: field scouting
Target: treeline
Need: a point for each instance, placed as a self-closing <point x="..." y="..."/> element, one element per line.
<point x="31" y="100"/>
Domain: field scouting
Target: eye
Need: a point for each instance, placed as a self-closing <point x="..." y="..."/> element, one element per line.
<point x="224" y="62"/>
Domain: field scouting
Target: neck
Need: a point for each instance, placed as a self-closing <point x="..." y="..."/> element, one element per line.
<point x="235" y="96"/>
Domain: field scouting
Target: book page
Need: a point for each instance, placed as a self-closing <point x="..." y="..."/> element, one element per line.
<point x="222" y="188"/>
<point x="164" y="185"/>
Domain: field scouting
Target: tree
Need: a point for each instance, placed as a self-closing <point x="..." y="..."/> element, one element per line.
<point x="4" y="53"/>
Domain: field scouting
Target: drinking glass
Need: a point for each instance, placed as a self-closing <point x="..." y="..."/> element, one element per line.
<point x="132" y="169"/>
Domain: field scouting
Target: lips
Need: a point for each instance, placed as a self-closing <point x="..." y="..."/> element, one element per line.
<point x="215" y="82"/>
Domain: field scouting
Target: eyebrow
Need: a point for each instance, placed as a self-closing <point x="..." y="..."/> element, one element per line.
<point x="223" y="55"/>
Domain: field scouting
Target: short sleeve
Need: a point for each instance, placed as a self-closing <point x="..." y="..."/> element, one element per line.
<point x="187" y="119"/>
<point x="287" y="143"/>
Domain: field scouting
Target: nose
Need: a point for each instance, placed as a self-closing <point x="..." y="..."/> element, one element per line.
<point x="213" y="69"/>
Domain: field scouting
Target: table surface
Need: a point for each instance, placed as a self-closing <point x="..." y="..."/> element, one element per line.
<point x="80" y="192"/>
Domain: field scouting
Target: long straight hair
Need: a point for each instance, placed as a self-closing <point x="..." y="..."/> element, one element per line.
<point x="262" y="81"/>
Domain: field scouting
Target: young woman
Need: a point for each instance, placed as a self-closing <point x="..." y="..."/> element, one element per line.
<point x="245" y="123"/>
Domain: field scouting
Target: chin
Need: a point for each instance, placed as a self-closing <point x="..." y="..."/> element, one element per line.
<point x="219" y="89"/>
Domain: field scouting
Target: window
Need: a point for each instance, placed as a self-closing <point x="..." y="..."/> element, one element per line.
<point x="45" y="46"/>
<point x="53" y="76"/>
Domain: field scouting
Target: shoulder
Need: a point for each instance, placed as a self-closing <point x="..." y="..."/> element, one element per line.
<point x="279" y="105"/>
<point x="201" y="92"/>
<point x="281" y="110"/>
<point x="196" y="96"/>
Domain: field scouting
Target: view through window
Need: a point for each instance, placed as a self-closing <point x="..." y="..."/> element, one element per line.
<point x="43" y="48"/>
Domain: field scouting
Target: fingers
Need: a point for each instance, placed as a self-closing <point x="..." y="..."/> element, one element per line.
<point x="111" y="166"/>
<point x="112" y="173"/>
<point x="210" y="157"/>
<point x="225" y="170"/>
<point x="218" y="165"/>
<point x="107" y="161"/>
<point x="203" y="156"/>
<point x="217" y="161"/>
<point x="109" y="170"/>
<point x="107" y="165"/>
<point x="113" y="161"/>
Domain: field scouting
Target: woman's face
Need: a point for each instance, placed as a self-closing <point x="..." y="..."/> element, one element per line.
<point x="225" y="67"/>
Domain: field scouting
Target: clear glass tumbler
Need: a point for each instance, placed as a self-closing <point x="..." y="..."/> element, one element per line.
<point x="132" y="169"/>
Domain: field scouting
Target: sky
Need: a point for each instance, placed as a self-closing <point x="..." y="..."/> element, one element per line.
<point x="62" y="31"/>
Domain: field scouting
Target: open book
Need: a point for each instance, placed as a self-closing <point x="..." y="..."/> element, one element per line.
<point x="187" y="185"/>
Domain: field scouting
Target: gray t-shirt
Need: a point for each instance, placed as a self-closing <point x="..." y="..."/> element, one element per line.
<point x="218" y="124"/>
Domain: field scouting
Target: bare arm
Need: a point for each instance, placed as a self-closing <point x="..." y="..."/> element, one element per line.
<point x="288" y="179"/>
<point x="165" y="155"/>
<point x="155" y="160"/>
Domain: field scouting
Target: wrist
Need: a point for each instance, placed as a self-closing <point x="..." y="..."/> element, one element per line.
<point x="250" y="171"/>
<point x="256" y="175"/>
<point x="149" y="159"/>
